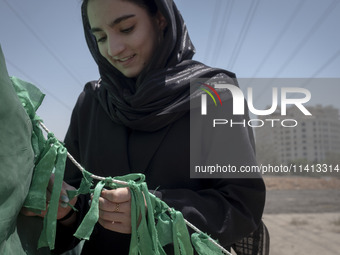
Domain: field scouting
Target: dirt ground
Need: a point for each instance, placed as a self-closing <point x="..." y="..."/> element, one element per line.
<point x="303" y="215"/>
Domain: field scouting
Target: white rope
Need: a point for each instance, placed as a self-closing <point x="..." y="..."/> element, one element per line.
<point x="75" y="162"/>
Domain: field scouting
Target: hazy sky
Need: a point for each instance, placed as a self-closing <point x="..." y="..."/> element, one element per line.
<point x="43" y="43"/>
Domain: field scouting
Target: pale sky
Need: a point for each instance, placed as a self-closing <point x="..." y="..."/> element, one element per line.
<point x="43" y="43"/>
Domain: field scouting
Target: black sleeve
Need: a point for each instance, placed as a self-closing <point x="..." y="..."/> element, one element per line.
<point x="228" y="211"/>
<point x="226" y="207"/>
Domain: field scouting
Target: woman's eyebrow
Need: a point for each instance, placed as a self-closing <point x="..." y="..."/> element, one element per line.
<point x="114" y="22"/>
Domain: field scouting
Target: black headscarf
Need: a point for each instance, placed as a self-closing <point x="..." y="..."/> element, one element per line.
<point x="161" y="93"/>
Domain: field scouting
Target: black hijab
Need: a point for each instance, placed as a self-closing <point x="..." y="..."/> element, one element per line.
<point x="161" y="93"/>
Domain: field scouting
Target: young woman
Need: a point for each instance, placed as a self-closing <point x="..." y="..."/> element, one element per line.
<point x="136" y="118"/>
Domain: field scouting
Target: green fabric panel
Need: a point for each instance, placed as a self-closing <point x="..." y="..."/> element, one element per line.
<point x="12" y="245"/>
<point x="203" y="245"/>
<point x="25" y="237"/>
<point x="16" y="161"/>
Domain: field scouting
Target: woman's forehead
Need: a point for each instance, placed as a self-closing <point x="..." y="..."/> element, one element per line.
<point x="111" y="11"/>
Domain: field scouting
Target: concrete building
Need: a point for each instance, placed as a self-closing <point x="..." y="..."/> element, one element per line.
<point x="314" y="139"/>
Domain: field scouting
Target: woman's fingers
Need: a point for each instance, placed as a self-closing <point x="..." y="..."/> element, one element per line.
<point x="115" y="210"/>
<point x="27" y="212"/>
<point x="64" y="200"/>
<point x="119" y="195"/>
<point x="115" y="226"/>
<point x="114" y="217"/>
<point x="108" y="206"/>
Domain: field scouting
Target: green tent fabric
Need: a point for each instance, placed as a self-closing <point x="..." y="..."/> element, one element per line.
<point x="16" y="160"/>
<point x="20" y="146"/>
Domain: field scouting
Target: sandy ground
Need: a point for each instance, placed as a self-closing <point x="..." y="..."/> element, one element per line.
<point x="303" y="215"/>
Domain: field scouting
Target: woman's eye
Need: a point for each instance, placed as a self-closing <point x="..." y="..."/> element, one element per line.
<point x="101" y="39"/>
<point x="127" y="30"/>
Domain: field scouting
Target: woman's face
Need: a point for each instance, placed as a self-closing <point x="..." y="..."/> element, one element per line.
<point x="126" y="33"/>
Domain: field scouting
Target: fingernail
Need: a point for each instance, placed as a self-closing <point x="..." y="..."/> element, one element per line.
<point x="64" y="199"/>
<point x="63" y="204"/>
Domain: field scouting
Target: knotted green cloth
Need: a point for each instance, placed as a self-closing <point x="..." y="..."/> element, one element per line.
<point x="203" y="244"/>
<point x="147" y="237"/>
<point x="47" y="155"/>
<point x="154" y="224"/>
<point x="50" y="156"/>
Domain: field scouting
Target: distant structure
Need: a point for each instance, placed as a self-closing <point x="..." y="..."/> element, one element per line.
<point x="315" y="139"/>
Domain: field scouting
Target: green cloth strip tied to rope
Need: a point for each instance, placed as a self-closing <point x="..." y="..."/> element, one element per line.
<point x="154" y="224"/>
<point x="50" y="155"/>
<point x="146" y="209"/>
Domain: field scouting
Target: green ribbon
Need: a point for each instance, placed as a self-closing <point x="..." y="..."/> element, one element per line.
<point x="144" y="232"/>
<point x="84" y="188"/>
<point x="48" y="234"/>
<point x="144" y="237"/>
<point x="85" y="229"/>
<point x="31" y="98"/>
<point x="36" y="198"/>
<point x="180" y="234"/>
<point x="203" y="245"/>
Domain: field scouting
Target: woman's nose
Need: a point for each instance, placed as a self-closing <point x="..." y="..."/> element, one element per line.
<point x="116" y="46"/>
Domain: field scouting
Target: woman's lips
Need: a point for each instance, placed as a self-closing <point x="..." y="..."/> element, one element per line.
<point x="123" y="60"/>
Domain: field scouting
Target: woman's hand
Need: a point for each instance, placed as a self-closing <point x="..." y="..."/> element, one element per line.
<point x="115" y="210"/>
<point x="63" y="208"/>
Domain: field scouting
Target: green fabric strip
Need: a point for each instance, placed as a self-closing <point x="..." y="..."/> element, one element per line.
<point x="85" y="229"/>
<point x="84" y="188"/>
<point x="38" y="139"/>
<point x="150" y="215"/>
<point x="181" y="238"/>
<point x="36" y="198"/>
<point x="48" y="234"/>
<point x="31" y="98"/>
<point x="145" y="232"/>
<point x="134" y="247"/>
<point x="164" y="229"/>
<point x="203" y="245"/>
<point x="28" y="94"/>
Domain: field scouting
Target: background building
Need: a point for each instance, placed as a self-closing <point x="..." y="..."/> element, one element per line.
<point x="316" y="138"/>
